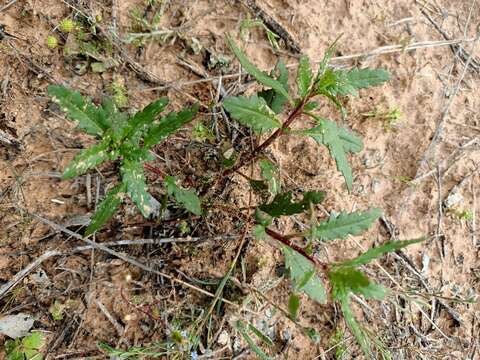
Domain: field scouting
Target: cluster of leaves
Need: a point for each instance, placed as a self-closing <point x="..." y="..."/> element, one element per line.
<point x="260" y="112"/>
<point x="25" y="348"/>
<point x="344" y="277"/>
<point x="128" y="139"/>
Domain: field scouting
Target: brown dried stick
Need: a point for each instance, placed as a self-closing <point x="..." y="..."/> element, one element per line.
<point x="272" y="24"/>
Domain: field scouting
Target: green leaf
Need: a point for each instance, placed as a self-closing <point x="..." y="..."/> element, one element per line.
<point x="344" y="224"/>
<point x="90" y="118"/>
<point x="240" y="326"/>
<point x="87" y="159"/>
<point x="144" y="117"/>
<point x="345" y="280"/>
<point x="106" y="209"/>
<point x="116" y="119"/>
<point x="282" y="203"/>
<point x="364" y="78"/>
<point x="187" y="198"/>
<point x="252" y="112"/>
<point x="339" y="142"/>
<point x="347" y="82"/>
<point x="169" y="124"/>
<point x="293" y="305"/>
<point x="260" y="335"/>
<point x="136" y="187"/>
<point x="311" y="105"/>
<point x="374" y="253"/>
<point x="274" y="99"/>
<point x="56" y="310"/>
<point x="259" y="75"/>
<point x="33" y="341"/>
<point x="303" y="276"/>
<point x="351" y="142"/>
<point x="304" y="76"/>
<point x="270" y="173"/>
<point x="26" y="348"/>
<point x="322" y="67"/>
<point x="356" y="329"/>
<point x="259" y="232"/>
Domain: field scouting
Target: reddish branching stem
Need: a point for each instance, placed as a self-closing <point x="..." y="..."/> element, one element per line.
<point x="246" y="160"/>
<point x="279" y="237"/>
<point x="154" y="170"/>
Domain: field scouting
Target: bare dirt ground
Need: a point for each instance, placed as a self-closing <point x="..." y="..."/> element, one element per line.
<point x="421" y="169"/>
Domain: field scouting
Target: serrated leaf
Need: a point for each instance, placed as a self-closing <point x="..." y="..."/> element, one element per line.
<point x="364" y="78"/>
<point x="345" y="280"/>
<point x="374" y="253"/>
<point x="293" y="305"/>
<point x="344" y="224"/>
<point x="351" y="142"/>
<point x="339" y="141"/>
<point x="90" y="118"/>
<point x="106" y="209"/>
<point x="259" y="75"/>
<point x="169" y="125"/>
<point x="347" y="82"/>
<point x="136" y="187"/>
<point x="144" y="117"/>
<point x="274" y="99"/>
<point x="270" y="173"/>
<point x="252" y="112"/>
<point x="282" y="203"/>
<point x="87" y="159"/>
<point x="304" y="76"/>
<point x="240" y="326"/>
<point x="303" y="276"/>
<point x="187" y="198"/>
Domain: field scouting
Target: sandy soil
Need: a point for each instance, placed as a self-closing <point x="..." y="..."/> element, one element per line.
<point x="421" y="170"/>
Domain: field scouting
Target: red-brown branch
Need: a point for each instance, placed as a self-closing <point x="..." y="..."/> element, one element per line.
<point x="279" y="237"/>
<point x="246" y="160"/>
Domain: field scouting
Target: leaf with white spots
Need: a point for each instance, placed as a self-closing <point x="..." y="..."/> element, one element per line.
<point x="187" y="198"/>
<point x="87" y="159"/>
<point x="106" y="209"/>
<point x="134" y="179"/>
<point x="144" y="117"/>
<point x="90" y="118"/>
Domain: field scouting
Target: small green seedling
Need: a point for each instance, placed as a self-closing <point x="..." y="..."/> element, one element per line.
<point x="308" y="275"/>
<point x="67" y="25"/>
<point x="247" y="24"/>
<point x="128" y="139"/>
<point x="26" y="348"/>
<point x="260" y="112"/>
<point x="52" y="42"/>
<point x="390" y="117"/>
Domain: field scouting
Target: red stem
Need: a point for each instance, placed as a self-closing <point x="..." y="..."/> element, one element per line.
<point x="248" y="159"/>
<point x="155" y="170"/>
<point x="279" y="237"/>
